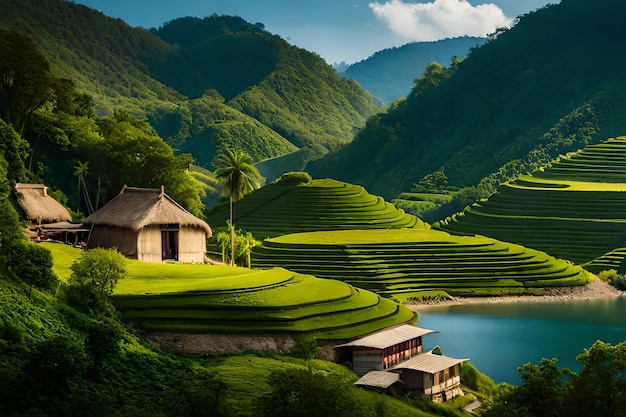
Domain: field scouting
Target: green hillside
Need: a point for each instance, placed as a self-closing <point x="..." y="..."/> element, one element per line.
<point x="208" y="298"/>
<point x="574" y="209"/>
<point x="169" y="76"/>
<point x="322" y="204"/>
<point x="389" y="74"/>
<point x="499" y="104"/>
<point x="410" y="263"/>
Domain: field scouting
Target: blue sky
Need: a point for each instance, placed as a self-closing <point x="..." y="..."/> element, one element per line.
<point x="337" y="30"/>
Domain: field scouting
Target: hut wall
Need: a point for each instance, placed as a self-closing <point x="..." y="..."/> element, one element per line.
<point x="149" y="244"/>
<point x="191" y="245"/>
<point x="124" y="240"/>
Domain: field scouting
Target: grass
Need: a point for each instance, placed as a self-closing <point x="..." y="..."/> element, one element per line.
<point x="413" y="263"/>
<point x="205" y="298"/>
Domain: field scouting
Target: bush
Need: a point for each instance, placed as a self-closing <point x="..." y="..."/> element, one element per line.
<point x="94" y="277"/>
<point x="305" y="348"/>
<point x="294" y="178"/>
<point x="33" y="264"/>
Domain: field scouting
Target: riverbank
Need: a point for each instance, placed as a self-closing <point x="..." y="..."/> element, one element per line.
<point x="593" y="290"/>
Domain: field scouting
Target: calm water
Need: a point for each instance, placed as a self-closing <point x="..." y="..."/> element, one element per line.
<point x="497" y="338"/>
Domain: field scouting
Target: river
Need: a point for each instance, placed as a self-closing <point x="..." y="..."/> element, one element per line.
<point x="499" y="337"/>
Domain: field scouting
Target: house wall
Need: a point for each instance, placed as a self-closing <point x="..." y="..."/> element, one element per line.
<point x="149" y="244"/>
<point x="365" y="360"/>
<point x="191" y="245"/>
<point x="443" y="385"/>
<point x="401" y="352"/>
<point x="124" y="240"/>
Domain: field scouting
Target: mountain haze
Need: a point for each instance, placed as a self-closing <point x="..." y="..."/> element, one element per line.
<point x="549" y="85"/>
<point x="389" y="74"/>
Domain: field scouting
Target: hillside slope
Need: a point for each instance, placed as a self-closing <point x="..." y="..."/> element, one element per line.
<point x="498" y="104"/>
<point x="573" y="209"/>
<point x="160" y="74"/>
<point x="389" y="74"/>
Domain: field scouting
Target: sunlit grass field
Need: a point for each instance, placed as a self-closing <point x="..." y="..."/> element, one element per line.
<point x="209" y="298"/>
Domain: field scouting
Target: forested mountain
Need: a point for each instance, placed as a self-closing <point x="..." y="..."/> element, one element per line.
<point x="389" y="74"/>
<point x="202" y="83"/>
<point x="549" y="85"/>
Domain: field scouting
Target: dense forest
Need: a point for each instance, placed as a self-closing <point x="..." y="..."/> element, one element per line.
<point x="249" y="100"/>
<point x="389" y="74"/>
<point x="549" y="85"/>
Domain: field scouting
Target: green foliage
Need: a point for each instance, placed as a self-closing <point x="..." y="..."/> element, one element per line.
<point x="509" y="100"/>
<point x="612" y="277"/>
<point x="26" y="79"/>
<point x="309" y="393"/>
<point x="33" y="264"/>
<point x="11" y="232"/>
<point x="305" y="348"/>
<point x="14" y="151"/>
<point x="600" y="388"/>
<point x="95" y="275"/>
<point x="542" y="392"/>
<point x="422" y="402"/>
<point x="56" y="361"/>
<point x="476" y="381"/>
<point x="102" y="343"/>
<point x="238" y="175"/>
<point x="244" y="242"/>
<point x="294" y="178"/>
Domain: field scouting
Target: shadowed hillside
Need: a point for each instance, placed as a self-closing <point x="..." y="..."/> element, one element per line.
<point x="203" y="84"/>
<point x="497" y="104"/>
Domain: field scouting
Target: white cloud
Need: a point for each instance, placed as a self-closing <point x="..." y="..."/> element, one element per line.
<point x="439" y="19"/>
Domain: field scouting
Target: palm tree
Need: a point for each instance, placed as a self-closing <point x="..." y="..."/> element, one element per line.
<point x="239" y="179"/>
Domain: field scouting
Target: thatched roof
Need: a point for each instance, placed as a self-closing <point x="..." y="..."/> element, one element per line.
<point x="136" y="208"/>
<point x="38" y="206"/>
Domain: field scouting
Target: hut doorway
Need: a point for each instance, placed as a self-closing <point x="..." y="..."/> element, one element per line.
<point x="169" y="242"/>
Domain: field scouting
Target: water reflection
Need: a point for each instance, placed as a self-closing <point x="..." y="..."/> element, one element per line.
<point x="499" y="337"/>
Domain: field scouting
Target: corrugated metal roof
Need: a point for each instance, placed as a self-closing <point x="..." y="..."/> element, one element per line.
<point x="389" y="337"/>
<point x="429" y="362"/>
<point x="379" y="379"/>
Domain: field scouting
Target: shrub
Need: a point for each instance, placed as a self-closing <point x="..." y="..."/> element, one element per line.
<point x="33" y="264"/>
<point x="94" y="277"/>
<point x="305" y="348"/>
<point x="294" y="178"/>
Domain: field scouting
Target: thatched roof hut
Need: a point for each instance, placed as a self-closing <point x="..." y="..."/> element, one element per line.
<point x="38" y="206"/>
<point x="146" y="224"/>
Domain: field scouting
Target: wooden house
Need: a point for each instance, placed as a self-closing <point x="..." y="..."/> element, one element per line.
<point x="146" y="224"/>
<point x="38" y="206"/>
<point x="382" y="350"/>
<point x="383" y="382"/>
<point x="436" y="375"/>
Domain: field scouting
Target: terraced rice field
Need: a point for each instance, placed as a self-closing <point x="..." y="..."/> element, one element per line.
<point x="222" y="299"/>
<point x="322" y="204"/>
<point x="575" y="209"/>
<point x="255" y="301"/>
<point x="410" y="263"/>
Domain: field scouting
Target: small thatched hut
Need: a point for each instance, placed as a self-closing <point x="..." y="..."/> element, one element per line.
<point x="38" y="206"/>
<point x="146" y="224"/>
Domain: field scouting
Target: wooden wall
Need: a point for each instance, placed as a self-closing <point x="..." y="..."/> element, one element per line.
<point x="191" y="245"/>
<point x="124" y="240"/>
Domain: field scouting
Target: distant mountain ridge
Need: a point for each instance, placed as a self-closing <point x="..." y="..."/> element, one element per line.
<point x="389" y="74"/>
<point x="204" y="84"/>
<point x="550" y="84"/>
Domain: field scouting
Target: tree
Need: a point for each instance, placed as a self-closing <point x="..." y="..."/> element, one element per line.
<point x="600" y="388"/>
<point x="94" y="276"/>
<point x="239" y="179"/>
<point x="302" y="392"/>
<point x="541" y="394"/>
<point x="102" y="343"/>
<point x="33" y="264"/>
